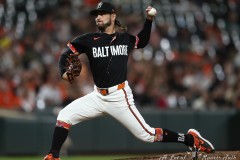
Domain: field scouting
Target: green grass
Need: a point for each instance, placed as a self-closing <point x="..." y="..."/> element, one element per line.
<point x="66" y="158"/>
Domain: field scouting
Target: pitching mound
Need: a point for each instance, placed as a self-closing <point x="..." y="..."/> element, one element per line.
<point x="219" y="155"/>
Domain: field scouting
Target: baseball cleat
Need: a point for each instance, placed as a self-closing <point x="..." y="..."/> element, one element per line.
<point x="200" y="143"/>
<point x="50" y="157"/>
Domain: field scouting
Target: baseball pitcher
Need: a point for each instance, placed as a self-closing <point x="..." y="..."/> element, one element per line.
<point x="108" y="51"/>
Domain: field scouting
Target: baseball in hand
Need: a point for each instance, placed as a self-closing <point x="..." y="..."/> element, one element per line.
<point x="152" y="12"/>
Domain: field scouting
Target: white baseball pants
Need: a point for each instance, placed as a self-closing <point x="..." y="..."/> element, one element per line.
<point x="119" y="104"/>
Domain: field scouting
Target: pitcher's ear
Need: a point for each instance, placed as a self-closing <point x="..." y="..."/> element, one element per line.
<point x="114" y="16"/>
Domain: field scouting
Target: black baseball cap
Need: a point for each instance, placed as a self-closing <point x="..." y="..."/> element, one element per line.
<point x="103" y="7"/>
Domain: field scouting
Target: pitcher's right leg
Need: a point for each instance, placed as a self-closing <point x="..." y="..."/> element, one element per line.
<point x="79" y="110"/>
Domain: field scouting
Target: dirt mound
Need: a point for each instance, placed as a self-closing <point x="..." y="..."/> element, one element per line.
<point x="219" y="155"/>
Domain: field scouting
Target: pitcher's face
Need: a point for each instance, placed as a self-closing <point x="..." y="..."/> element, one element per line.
<point x="104" y="20"/>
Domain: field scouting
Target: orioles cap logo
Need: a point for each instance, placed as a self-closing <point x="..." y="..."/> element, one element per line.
<point x="99" y="5"/>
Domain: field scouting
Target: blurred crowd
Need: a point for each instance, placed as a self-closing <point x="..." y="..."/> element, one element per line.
<point x="192" y="60"/>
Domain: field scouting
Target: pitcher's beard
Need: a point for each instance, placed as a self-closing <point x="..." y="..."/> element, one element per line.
<point x="102" y="27"/>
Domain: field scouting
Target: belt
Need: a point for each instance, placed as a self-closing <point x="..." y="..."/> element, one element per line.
<point x="107" y="91"/>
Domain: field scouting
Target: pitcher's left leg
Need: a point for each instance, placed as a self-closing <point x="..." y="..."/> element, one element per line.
<point x="126" y="113"/>
<point x="121" y="107"/>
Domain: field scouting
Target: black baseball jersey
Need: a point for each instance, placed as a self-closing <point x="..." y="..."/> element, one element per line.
<point x="107" y="54"/>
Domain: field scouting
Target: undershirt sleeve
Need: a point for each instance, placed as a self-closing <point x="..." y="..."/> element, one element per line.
<point x="62" y="61"/>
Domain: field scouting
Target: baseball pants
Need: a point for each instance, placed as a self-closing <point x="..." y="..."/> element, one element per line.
<point x="119" y="104"/>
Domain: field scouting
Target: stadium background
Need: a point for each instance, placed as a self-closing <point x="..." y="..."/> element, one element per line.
<point x="188" y="75"/>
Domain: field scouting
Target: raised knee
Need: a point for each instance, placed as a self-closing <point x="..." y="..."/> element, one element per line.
<point x="63" y="121"/>
<point x="63" y="124"/>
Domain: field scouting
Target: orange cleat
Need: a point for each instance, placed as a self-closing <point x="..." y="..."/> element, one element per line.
<point x="50" y="157"/>
<point x="200" y="143"/>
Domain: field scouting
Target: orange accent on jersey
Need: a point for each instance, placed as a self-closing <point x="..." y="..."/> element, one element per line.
<point x="72" y="48"/>
<point x="63" y="124"/>
<point x="136" y="42"/>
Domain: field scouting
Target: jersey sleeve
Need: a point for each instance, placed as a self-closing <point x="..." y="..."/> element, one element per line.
<point x="78" y="45"/>
<point x="142" y="38"/>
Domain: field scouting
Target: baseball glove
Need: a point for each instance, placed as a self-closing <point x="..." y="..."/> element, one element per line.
<point x="73" y="67"/>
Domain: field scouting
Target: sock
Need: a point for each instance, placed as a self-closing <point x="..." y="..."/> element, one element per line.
<point x="170" y="136"/>
<point x="59" y="136"/>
